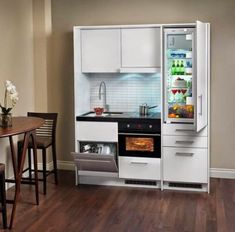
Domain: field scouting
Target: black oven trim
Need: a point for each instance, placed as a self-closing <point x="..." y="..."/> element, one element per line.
<point x="157" y="146"/>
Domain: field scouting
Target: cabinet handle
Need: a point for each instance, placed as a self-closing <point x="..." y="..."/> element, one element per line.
<point x="184" y="154"/>
<point x="200" y="97"/>
<point x="187" y="142"/>
<point x="185" y="130"/>
<point x="139" y="134"/>
<point x="88" y="160"/>
<point x="143" y="163"/>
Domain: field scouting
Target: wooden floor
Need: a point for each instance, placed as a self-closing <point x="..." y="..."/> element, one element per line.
<point x="97" y="208"/>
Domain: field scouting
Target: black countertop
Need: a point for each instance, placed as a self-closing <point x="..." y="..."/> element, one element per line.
<point x="118" y="116"/>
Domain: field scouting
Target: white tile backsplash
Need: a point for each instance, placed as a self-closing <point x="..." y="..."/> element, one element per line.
<point x="125" y="92"/>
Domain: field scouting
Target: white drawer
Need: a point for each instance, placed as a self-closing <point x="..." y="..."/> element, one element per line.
<point x="185" y="165"/>
<point x="184" y="141"/>
<point x="97" y="131"/>
<point x="182" y="129"/>
<point x="139" y="168"/>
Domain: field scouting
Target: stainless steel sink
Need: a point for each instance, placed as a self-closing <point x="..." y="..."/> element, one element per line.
<point x="105" y="114"/>
<point x="112" y="114"/>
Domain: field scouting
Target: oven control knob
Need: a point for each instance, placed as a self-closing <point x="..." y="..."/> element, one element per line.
<point x="150" y="126"/>
<point x="128" y="125"/>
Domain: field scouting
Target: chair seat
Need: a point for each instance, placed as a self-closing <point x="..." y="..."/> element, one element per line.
<point x="42" y="142"/>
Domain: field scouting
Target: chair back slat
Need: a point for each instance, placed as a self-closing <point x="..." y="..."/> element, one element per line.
<point x="48" y="129"/>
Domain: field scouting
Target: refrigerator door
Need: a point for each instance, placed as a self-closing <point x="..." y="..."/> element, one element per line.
<point x="202" y="40"/>
<point x="179" y="77"/>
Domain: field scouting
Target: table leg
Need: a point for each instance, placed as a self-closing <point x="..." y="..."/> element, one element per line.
<point x="33" y="136"/>
<point x="18" y="171"/>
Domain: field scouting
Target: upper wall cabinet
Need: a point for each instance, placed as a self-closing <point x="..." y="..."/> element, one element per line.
<point x="140" y="49"/>
<point x="117" y="50"/>
<point x="100" y="50"/>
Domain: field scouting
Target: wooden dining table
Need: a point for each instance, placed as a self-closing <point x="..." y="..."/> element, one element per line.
<point x="26" y="126"/>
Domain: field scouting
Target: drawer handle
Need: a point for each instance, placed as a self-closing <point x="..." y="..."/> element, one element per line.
<point x="88" y="160"/>
<point x="184" y="154"/>
<point x="185" y="130"/>
<point x="142" y="163"/>
<point x="187" y="142"/>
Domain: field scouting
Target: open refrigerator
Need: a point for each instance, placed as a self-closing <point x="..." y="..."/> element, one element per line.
<point x="185" y="74"/>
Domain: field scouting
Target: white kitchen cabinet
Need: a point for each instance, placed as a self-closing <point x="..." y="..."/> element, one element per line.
<point x="184" y="141"/>
<point x="97" y="131"/>
<point x="187" y="165"/>
<point x="96" y="149"/>
<point x="139" y="168"/>
<point x="182" y="129"/>
<point x="120" y="50"/>
<point x="140" y="48"/>
<point x="100" y="50"/>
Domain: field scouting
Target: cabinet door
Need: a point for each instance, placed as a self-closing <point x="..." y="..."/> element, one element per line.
<point x="100" y="50"/>
<point x="140" y="47"/>
<point x="202" y="74"/>
<point x="185" y="165"/>
<point x="139" y="168"/>
<point x="97" y="131"/>
<point x="95" y="162"/>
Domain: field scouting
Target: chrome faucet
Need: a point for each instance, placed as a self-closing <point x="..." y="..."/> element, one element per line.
<point x="102" y="84"/>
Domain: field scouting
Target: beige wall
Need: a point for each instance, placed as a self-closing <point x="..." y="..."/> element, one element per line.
<point x="45" y="80"/>
<point x="41" y="36"/>
<point x="16" y="59"/>
<point x="67" y="13"/>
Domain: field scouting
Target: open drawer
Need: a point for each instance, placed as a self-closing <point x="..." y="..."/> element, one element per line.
<point x="95" y="162"/>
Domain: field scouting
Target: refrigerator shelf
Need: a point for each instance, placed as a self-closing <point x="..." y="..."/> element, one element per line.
<point x="172" y="87"/>
<point x="181" y="76"/>
<point x="180" y="58"/>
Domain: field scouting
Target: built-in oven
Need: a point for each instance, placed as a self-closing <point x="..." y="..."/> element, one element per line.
<point x="140" y="138"/>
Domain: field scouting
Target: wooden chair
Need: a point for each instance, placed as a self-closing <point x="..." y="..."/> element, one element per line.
<point x="3" y="195"/>
<point x="45" y="137"/>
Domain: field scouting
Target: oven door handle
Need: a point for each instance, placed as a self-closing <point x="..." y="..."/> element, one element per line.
<point x="139" y="134"/>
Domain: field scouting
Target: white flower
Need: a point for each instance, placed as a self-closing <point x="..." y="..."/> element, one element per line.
<point x="14" y="97"/>
<point x="10" y="93"/>
<point x="10" y="87"/>
<point x="7" y="83"/>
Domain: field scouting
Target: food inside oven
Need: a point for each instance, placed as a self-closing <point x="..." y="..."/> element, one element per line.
<point x="139" y="144"/>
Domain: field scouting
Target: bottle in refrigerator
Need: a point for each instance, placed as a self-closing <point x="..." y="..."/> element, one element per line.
<point x="182" y="69"/>
<point x="173" y="68"/>
<point x="177" y="69"/>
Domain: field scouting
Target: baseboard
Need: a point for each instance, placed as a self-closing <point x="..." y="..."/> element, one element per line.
<point x="214" y="172"/>
<point x="69" y="165"/>
<point x="62" y="165"/>
<point x="65" y="165"/>
<point x="49" y="166"/>
<point x="222" y="173"/>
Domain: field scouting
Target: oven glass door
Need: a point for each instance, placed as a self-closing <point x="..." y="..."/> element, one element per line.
<point x="140" y="145"/>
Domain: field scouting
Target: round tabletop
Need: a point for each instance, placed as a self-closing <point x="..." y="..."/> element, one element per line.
<point x="21" y="125"/>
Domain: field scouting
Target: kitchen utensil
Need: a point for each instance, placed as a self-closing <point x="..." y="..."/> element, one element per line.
<point x="144" y="109"/>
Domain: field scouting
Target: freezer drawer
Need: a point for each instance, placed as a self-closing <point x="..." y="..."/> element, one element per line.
<point x="185" y="165"/>
<point x="184" y="141"/>
<point x="95" y="162"/>
<point x="182" y="129"/>
<point x="139" y="168"/>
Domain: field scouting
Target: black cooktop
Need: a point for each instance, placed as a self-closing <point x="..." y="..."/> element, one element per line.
<point x="118" y="116"/>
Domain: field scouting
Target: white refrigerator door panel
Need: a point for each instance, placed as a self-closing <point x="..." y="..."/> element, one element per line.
<point x="202" y="75"/>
